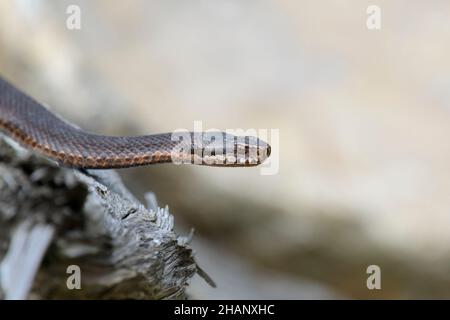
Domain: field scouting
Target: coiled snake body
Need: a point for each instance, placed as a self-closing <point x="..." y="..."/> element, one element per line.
<point x="35" y="127"/>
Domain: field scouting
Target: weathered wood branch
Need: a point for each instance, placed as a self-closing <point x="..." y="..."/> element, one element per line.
<point x="52" y="218"/>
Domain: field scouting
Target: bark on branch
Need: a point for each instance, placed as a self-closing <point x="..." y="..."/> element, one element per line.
<point x="53" y="217"/>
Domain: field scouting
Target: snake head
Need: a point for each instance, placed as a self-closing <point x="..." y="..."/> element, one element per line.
<point x="222" y="149"/>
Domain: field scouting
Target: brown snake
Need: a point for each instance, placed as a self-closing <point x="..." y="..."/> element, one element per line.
<point x="35" y="127"/>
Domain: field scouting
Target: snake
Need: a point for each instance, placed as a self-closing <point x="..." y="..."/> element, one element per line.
<point x="35" y="127"/>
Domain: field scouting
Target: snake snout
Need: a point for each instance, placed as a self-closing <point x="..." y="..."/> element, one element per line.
<point x="264" y="150"/>
<point x="251" y="151"/>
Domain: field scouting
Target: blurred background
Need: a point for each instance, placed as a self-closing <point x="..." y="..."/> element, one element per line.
<point x="363" y="118"/>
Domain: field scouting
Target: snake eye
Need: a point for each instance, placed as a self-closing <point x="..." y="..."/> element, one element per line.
<point x="268" y="150"/>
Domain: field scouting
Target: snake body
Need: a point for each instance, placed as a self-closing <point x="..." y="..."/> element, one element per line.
<point x="35" y="127"/>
